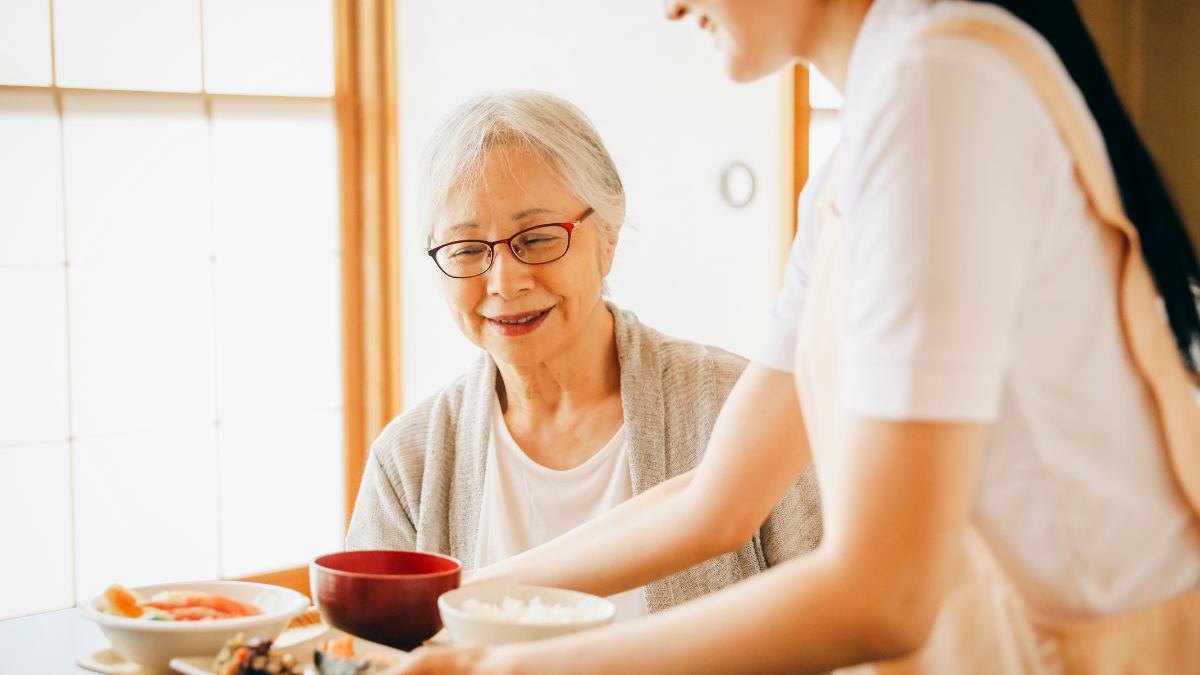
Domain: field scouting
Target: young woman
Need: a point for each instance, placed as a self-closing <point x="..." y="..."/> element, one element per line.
<point x="992" y="374"/>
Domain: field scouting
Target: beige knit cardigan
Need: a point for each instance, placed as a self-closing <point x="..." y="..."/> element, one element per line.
<point x="424" y="479"/>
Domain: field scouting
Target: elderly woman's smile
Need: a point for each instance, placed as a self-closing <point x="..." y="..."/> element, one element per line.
<point x="519" y="324"/>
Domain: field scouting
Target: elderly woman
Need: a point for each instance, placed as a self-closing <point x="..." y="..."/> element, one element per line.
<point x="574" y="406"/>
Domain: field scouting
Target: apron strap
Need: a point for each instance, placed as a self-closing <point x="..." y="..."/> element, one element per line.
<point x="1147" y="334"/>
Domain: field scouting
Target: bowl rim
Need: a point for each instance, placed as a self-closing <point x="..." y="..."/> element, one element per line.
<point x="300" y="603"/>
<point x="610" y="609"/>
<point x="315" y="564"/>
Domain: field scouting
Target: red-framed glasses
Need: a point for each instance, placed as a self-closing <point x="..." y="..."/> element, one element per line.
<point x="535" y="245"/>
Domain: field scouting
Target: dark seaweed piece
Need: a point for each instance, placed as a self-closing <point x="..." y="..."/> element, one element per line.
<point x="257" y="658"/>
<point x="337" y="665"/>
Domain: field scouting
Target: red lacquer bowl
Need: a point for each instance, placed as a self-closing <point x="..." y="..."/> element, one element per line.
<point x="389" y="597"/>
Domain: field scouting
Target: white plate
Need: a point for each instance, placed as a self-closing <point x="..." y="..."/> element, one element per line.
<point x="108" y="662"/>
<point x="202" y="665"/>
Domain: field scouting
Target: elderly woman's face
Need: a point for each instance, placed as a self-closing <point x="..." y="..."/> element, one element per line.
<point x="524" y="314"/>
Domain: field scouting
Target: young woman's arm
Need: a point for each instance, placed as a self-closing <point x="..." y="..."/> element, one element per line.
<point x="757" y="451"/>
<point x="871" y="591"/>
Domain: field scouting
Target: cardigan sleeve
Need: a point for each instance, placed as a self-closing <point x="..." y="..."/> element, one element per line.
<point x="794" y="527"/>
<point x="380" y="520"/>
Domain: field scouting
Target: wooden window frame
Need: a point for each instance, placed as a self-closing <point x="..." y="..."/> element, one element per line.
<point x="368" y="157"/>
<point x="368" y="148"/>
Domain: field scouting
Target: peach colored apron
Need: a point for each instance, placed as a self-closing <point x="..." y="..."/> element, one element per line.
<point x="983" y="625"/>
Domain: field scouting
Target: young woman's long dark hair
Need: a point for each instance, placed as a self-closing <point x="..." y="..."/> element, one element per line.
<point x="1167" y="248"/>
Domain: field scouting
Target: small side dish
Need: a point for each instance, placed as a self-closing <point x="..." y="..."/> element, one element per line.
<point x="173" y="605"/>
<point x="254" y="657"/>
<point x="336" y="657"/>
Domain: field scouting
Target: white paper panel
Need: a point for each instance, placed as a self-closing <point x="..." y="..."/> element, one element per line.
<point x="25" y="43"/>
<point x="150" y="45"/>
<point x="822" y="95"/>
<point x="31" y="209"/>
<point x="141" y="272"/>
<point x="141" y="346"/>
<point x="824" y="134"/>
<point x="33" y="355"/>
<point x="145" y="509"/>
<point x="275" y="221"/>
<point x="278" y="335"/>
<point x="35" y="529"/>
<point x="275" y="180"/>
<point x="281" y="47"/>
<point x="137" y="178"/>
<point x="281" y="492"/>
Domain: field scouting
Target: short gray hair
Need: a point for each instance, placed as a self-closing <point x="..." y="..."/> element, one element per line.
<point x="541" y="124"/>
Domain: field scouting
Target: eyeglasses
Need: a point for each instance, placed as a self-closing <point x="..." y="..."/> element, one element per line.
<point x="536" y="245"/>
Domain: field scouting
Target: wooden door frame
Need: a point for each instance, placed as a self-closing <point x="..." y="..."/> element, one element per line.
<point x="795" y="115"/>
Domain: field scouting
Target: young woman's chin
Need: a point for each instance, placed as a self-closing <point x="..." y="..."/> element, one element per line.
<point x="747" y="66"/>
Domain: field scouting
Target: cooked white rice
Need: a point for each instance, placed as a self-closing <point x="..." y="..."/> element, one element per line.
<point x="511" y="610"/>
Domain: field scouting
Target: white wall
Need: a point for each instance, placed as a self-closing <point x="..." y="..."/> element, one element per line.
<point x="688" y="264"/>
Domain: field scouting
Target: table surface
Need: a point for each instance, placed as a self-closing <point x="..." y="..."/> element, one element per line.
<point x="47" y="644"/>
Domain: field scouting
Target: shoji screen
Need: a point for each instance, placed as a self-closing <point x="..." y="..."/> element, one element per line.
<point x="35" y="457"/>
<point x="170" y="356"/>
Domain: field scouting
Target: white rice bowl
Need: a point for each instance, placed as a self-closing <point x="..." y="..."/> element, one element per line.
<point x="154" y="643"/>
<point x="503" y="614"/>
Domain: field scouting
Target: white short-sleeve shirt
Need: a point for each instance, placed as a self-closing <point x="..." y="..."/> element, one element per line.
<point x="980" y="292"/>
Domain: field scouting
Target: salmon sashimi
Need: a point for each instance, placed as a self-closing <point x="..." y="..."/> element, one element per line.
<point x="196" y="614"/>
<point x="342" y="647"/>
<point x="173" y="605"/>
<point x="196" y="606"/>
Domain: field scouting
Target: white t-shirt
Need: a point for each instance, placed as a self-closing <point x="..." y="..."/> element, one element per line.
<point x="526" y="504"/>
<point x="980" y="292"/>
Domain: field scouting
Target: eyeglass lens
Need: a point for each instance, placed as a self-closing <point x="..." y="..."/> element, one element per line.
<point x="536" y="246"/>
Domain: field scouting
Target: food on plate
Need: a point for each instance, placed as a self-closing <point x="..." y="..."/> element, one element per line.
<point x="511" y="610"/>
<point x="173" y="605"/>
<point x="254" y="657"/>
<point x="342" y="647"/>
<point x="193" y="606"/>
<point x="257" y="656"/>
<point x="123" y="602"/>
<point x="337" y="657"/>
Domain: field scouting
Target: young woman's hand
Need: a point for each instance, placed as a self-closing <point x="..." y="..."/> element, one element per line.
<point x="475" y="660"/>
